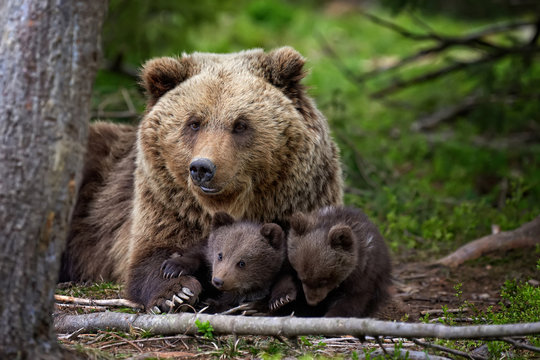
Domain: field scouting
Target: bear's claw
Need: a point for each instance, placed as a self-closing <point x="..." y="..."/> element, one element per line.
<point x="175" y="295"/>
<point x="279" y="303"/>
<point x="187" y="291"/>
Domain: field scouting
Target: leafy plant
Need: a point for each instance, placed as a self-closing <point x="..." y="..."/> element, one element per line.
<point x="205" y="328"/>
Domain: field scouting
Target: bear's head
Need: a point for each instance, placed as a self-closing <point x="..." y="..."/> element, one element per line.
<point x="323" y="256"/>
<point x="245" y="256"/>
<point x="228" y="126"/>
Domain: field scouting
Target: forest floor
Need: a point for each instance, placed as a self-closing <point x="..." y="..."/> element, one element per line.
<point x="419" y="288"/>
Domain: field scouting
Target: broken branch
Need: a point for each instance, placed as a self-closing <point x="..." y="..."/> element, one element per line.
<point x="100" y="302"/>
<point x="526" y="235"/>
<point x="184" y="323"/>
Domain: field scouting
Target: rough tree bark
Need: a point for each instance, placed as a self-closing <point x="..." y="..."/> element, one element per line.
<point x="48" y="58"/>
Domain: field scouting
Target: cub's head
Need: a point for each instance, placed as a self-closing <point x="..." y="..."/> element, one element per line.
<point x="223" y="126"/>
<point x="245" y="256"/>
<point x="323" y="256"/>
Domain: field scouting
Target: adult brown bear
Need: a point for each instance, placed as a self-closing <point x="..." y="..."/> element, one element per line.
<point x="231" y="132"/>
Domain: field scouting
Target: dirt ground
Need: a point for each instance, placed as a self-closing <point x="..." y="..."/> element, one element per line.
<point x="421" y="287"/>
<point x="418" y="288"/>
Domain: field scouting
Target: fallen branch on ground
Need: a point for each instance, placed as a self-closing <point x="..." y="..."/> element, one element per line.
<point x="391" y="353"/>
<point x="100" y="302"/>
<point x="527" y="235"/>
<point x="448" y="350"/>
<point x="285" y="326"/>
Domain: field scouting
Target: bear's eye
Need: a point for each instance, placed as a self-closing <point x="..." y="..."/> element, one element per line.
<point x="194" y="123"/>
<point x="240" y="126"/>
<point x="241" y="264"/>
<point x="220" y="256"/>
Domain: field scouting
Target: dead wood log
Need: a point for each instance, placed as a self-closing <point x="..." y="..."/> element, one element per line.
<point x="526" y="235"/>
<point x="184" y="323"/>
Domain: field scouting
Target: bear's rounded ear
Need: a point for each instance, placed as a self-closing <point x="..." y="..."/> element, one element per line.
<point x="299" y="223"/>
<point x="274" y="234"/>
<point x="341" y="237"/>
<point x="221" y="219"/>
<point x="285" y="67"/>
<point x="163" y="74"/>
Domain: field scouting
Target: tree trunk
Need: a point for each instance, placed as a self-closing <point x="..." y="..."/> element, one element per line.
<point x="48" y="59"/>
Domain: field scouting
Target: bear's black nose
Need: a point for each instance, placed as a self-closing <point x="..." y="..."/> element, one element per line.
<point x="202" y="170"/>
<point x="217" y="282"/>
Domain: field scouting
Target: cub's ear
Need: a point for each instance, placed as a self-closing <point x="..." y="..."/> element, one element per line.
<point x="274" y="234"/>
<point x="285" y="67"/>
<point x="163" y="74"/>
<point x="299" y="223"/>
<point x="221" y="219"/>
<point x="341" y="237"/>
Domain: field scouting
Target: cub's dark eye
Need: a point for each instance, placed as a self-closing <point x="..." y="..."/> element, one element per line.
<point x="240" y="126"/>
<point x="220" y="256"/>
<point x="241" y="264"/>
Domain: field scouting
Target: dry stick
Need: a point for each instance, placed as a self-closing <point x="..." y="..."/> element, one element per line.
<point x="434" y="36"/>
<point x="400" y="84"/>
<point x="127" y="341"/>
<point x="285" y="326"/>
<point x="100" y="302"/>
<point x="403" y="354"/>
<point x="445" y="114"/>
<point x="444" y="42"/>
<point x="525" y="236"/>
<point x="522" y="346"/>
<point x="448" y="350"/>
<point x="138" y="341"/>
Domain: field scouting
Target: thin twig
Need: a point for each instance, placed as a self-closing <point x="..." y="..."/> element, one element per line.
<point x="521" y="345"/>
<point x="448" y="350"/>
<point x="379" y="342"/>
<point x="400" y="84"/>
<point x="124" y="340"/>
<point x="440" y="311"/>
<point x="84" y="307"/>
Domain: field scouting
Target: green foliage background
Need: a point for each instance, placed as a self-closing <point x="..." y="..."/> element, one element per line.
<point x="428" y="192"/>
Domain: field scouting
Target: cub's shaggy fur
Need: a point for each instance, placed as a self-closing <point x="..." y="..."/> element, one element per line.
<point x="244" y="260"/>
<point x="341" y="260"/>
<point x="232" y="132"/>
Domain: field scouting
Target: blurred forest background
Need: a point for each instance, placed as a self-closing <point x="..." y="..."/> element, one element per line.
<point x="435" y="164"/>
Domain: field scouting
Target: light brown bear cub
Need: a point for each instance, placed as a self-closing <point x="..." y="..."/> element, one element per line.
<point x="341" y="260"/>
<point x="244" y="258"/>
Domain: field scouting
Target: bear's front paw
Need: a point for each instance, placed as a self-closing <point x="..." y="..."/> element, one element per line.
<point x="176" y="294"/>
<point x="277" y="303"/>
<point x="172" y="267"/>
<point x="283" y="292"/>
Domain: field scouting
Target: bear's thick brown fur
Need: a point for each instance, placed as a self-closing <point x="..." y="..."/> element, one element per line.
<point x="342" y="262"/>
<point x="232" y="132"/>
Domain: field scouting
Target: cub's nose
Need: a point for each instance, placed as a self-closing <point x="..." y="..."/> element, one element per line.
<point x="202" y="170"/>
<point x="217" y="282"/>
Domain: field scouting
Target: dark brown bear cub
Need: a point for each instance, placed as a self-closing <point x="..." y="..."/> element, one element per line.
<point x="342" y="261"/>
<point x="245" y="259"/>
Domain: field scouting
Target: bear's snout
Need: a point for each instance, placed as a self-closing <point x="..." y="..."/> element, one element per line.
<point x="202" y="170"/>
